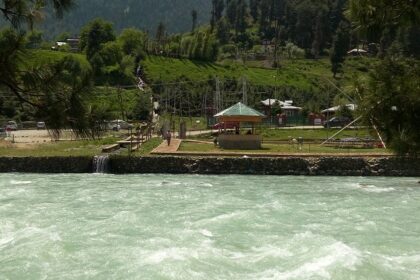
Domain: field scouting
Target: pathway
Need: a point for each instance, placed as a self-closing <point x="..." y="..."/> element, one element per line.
<point x="165" y="149"/>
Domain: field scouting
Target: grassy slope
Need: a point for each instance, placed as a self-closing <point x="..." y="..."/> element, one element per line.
<point x="302" y="73"/>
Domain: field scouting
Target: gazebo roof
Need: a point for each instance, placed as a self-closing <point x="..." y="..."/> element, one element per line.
<point x="239" y="110"/>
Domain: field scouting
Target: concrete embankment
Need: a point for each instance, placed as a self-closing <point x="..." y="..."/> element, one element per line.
<point x="332" y="166"/>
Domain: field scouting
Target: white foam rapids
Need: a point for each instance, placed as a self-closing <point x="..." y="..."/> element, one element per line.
<point x="85" y="226"/>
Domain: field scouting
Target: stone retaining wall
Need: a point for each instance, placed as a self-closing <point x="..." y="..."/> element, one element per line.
<point x="46" y="164"/>
<point x="332" y="166"/>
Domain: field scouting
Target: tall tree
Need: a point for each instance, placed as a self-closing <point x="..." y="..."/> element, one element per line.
<point x="216" y="12"/>
<point x="241" y="16"/>
<point x="94" y="34"/>
<point x="254" y="8"/>
<point x="340" y="47"/>
<point x="231" y="11"/>
<point x="161" y="33"/>
<point x="194" y="16"/>
<point x="391" y="99"/>
<point x="132" y="41"/>
<point x="56" y="90"/>
<point x="223" y="31"/>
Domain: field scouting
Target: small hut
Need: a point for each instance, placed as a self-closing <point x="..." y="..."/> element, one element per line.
<point x="238" y="115"/>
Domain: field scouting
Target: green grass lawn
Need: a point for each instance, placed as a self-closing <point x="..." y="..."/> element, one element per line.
<point x="71" y="148"/>
<point x="312" y="134"/>
<point x="280" y="148"/>
<point x="147" y="147"/>
<point x="60" y="148"/>
<point x="306" y="134"/>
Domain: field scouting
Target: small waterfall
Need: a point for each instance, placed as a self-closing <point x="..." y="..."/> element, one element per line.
<point x="100" y="164"/>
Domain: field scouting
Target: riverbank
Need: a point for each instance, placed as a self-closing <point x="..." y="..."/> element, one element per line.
<point x="313" y="166"/>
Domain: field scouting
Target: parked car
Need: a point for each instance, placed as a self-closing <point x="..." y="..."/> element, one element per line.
<point x="11" y="126"/>
<point x="229" y="125"/>
<point x="40" y="125"/>
<point x="119" y="124"/>
<point x="337" y="122"/>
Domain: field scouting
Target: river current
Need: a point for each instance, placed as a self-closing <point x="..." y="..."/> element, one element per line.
<point x="208" y="227"/>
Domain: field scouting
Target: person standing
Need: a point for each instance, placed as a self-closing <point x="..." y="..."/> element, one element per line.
<point x="168" y="137"/>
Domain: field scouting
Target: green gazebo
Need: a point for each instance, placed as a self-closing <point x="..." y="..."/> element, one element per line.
<point x="234" y="117"/>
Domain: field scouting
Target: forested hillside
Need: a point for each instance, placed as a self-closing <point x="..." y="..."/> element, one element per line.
<point x="143" y="14"/>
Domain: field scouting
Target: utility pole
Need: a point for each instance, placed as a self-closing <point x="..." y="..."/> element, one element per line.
<point x="217" y="97"/>
<point x="244" y="91"/>
<point x="121" y="103"/>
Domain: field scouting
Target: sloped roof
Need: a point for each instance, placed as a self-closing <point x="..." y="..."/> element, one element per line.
<point x="290" y="107"/>
<point x="352" y="107"/>
<point x="239" y="109"/>
<point x="271" y="102"/>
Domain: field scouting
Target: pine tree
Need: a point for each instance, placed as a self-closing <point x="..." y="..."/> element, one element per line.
<point x="231" y="11"/>
<point x="194" y="16"/>
<point x="216" y="12"/>
<point x="340" y="47"/>
<point x="241" y="16"/>
<point x="223" y="31"/>
<point x="254" y="7"/>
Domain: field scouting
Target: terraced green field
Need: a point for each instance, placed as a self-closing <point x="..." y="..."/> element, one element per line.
<point x="303" y="73"/>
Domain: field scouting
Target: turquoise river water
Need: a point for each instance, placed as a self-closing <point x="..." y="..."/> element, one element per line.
<point x="208" y="227"/>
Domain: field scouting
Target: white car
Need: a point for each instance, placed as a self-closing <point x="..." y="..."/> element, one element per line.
<point x="40" y="125"/>
<point x="119" y="124"/>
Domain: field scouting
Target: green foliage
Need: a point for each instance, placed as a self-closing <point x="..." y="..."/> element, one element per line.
<point x="34" y="39"/>
<point x="94" y="34"/>
<point x="132" y="41"/>
<point x="392" y="102"/>
<point x="54" y="90"/>
<point x="340" y="47"/>
<point x="291" y="51"/>
<point x="107" y="103"/>
<point x="143" y="107"/>
<point x="377" y="15"/>
<point x="62" y="37"/>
